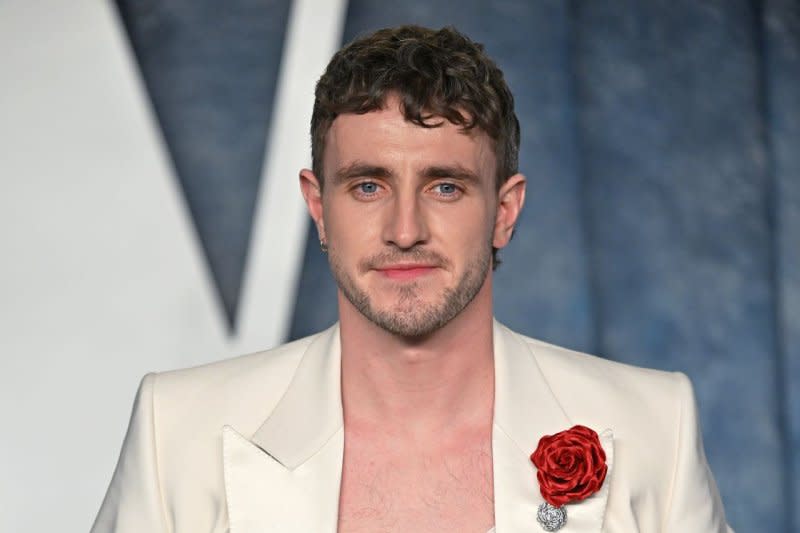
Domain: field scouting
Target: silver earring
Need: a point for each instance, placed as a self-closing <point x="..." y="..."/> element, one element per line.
<point x="323" y="246"/>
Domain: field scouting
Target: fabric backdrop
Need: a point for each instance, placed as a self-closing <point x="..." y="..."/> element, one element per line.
<point x="661" y="140"/>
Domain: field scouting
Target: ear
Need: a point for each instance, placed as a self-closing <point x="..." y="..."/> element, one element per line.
<point x="510" y="199"/>
<point x="312" y="194"/>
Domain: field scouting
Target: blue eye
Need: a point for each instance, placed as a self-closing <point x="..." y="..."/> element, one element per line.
<point x="447" y="189"/>
<point x="368" y="187"/>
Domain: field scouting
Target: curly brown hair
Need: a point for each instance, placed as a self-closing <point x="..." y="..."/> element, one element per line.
<point x="437" y="74"/>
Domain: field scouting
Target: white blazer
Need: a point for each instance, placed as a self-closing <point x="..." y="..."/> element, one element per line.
<point x="254" y="444"/>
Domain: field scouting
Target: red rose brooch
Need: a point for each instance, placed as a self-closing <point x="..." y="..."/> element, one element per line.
<point x="571" y="466"/>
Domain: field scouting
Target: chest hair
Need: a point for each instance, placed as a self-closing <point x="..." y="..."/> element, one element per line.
<point x="387" y="487"/>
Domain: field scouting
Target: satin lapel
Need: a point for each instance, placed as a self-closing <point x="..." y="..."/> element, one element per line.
<point x="525" y="410"/>
<point x="287" y="476"/>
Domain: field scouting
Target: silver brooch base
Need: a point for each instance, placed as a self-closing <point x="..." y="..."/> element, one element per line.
<point x="552" y="518"/>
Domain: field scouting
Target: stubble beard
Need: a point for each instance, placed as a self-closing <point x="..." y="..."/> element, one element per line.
<point x="410" y="316"/>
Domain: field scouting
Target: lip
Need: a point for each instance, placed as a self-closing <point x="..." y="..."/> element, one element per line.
<point x="405" y="271"/>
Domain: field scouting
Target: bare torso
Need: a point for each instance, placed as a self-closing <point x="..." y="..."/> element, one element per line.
<point x="394" y="485"/>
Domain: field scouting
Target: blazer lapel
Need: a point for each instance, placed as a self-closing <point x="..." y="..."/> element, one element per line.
<point x="525" y="410"/>
<point x="287" y="476"/>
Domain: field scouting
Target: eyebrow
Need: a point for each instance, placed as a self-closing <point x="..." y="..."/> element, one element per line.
<point x="451" y="171"/>
<point x="359" y="169"/>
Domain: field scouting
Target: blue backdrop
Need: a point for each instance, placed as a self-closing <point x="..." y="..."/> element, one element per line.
<point x="661" y="139"/>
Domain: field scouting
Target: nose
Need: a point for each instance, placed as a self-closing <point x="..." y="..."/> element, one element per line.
<point x="406" y="226"/>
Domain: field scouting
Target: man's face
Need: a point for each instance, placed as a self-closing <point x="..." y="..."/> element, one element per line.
<point x="408" y="215"/>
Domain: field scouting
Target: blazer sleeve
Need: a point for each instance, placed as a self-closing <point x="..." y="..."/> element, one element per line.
<point x="694" y="503"/>
<point x="133" y="503"/>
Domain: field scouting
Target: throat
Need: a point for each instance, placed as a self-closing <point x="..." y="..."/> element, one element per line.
<point x="426" y="398"/>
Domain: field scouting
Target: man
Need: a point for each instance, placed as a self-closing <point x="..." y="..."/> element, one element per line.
<point x="416" y="412"/>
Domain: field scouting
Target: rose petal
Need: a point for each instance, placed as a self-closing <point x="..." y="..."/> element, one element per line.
<point x="570" y="465"/>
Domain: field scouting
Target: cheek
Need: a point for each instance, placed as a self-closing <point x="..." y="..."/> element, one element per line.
<point x="471" y="224"/>
<point x="468" y="234"/>
<point x="349" y="229"/>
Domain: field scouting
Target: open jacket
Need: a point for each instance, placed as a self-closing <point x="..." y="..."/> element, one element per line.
<point x="254" y="444"/>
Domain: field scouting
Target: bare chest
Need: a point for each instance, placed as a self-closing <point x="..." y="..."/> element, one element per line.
<point x="387" y="490"/>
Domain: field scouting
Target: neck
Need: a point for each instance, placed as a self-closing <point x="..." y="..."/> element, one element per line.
<point x="443" y="382"/>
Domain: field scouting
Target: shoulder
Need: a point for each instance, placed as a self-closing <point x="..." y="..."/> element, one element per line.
<point x="181" y="415"/>
<point x="240" y="391"/>
<point x="590" y="379"/>
<point x="172" y="455"/>
<point x="644" y="408"/>
<point x="660" y="470"/>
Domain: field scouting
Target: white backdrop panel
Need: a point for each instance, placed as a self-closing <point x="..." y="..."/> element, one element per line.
<point x="101" y="279"/>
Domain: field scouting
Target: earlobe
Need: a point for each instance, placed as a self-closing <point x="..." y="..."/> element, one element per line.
<point x="312" y="194"/>
<point x="511" y="198"/>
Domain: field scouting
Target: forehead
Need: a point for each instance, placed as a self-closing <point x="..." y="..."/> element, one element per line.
<point x="384" y="137"/>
